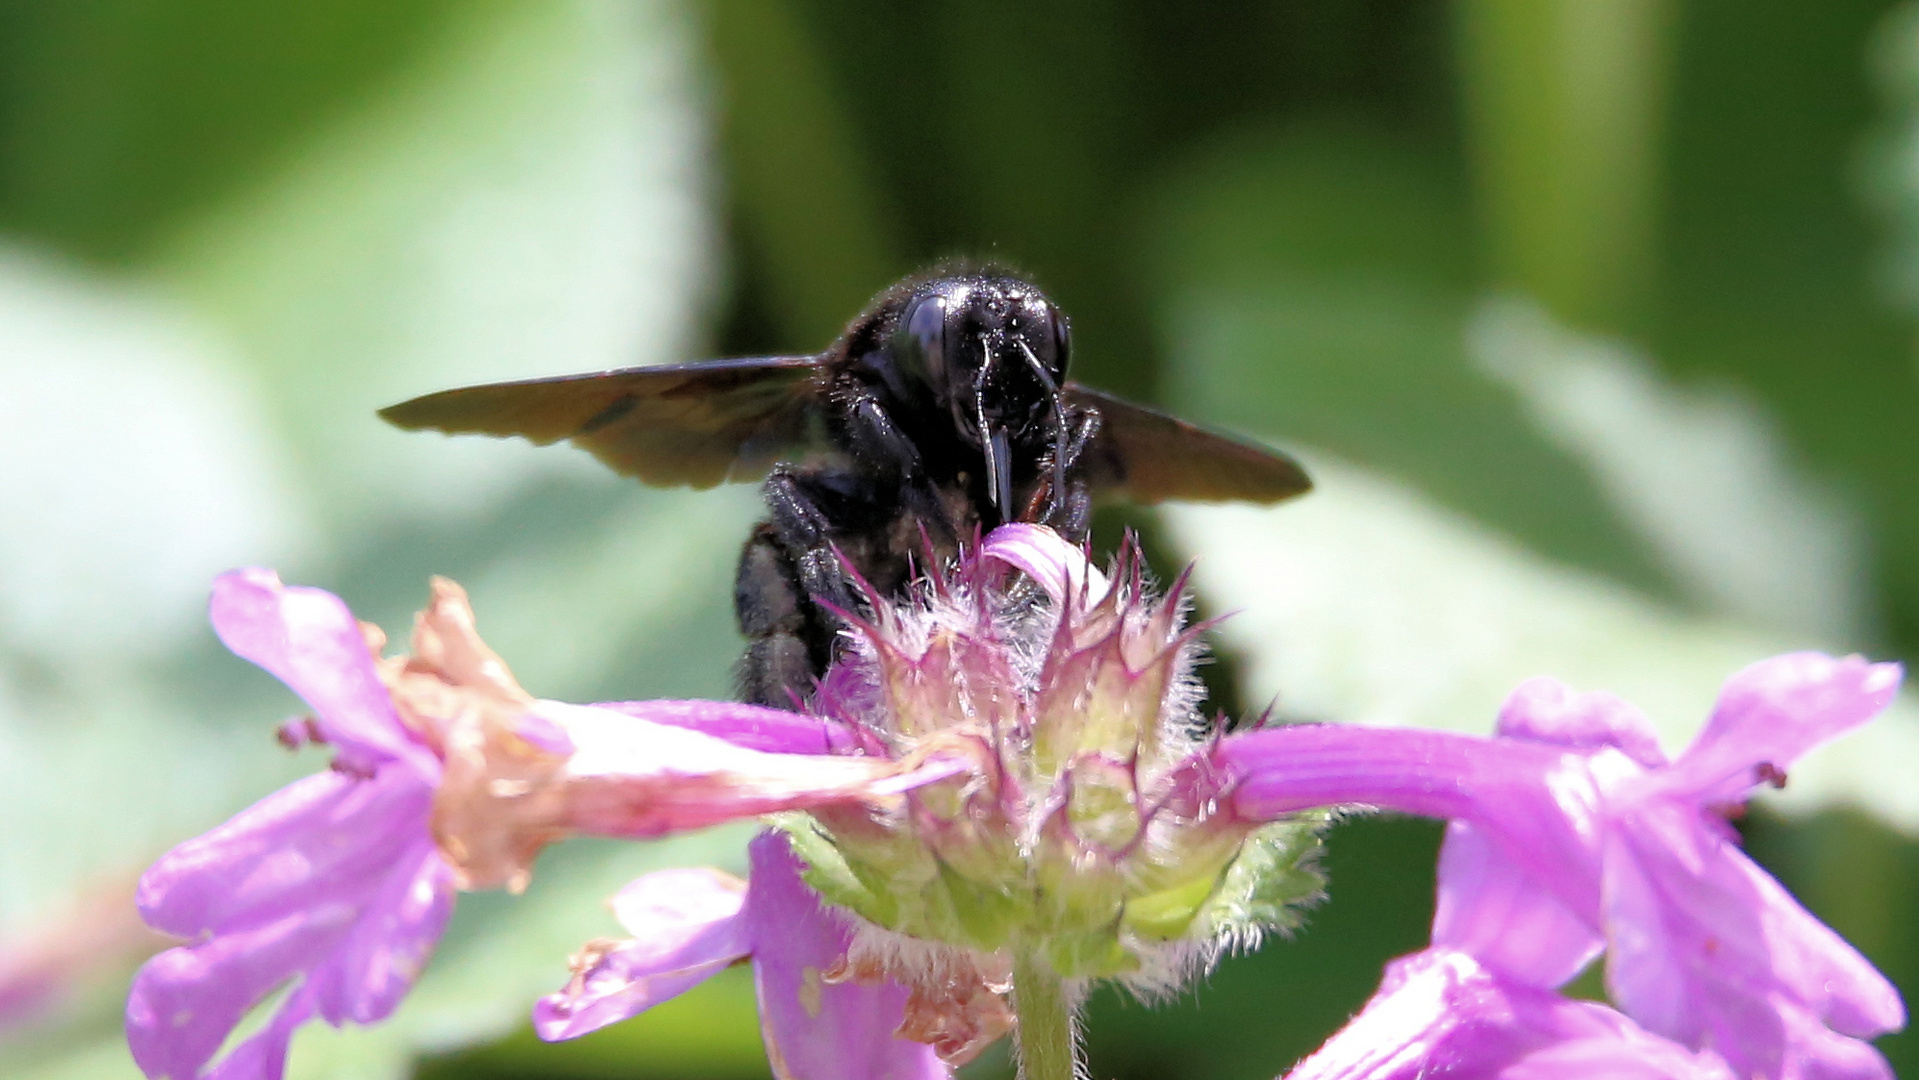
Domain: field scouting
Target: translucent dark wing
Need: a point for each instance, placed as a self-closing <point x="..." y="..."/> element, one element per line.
<point x="1147" y="456"/>
<point x="683" y="424"/>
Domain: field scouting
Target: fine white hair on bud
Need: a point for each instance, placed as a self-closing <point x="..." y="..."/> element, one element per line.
<point x="1087" y="831"/>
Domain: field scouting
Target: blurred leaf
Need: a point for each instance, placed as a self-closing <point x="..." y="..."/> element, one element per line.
<point x="1699" y="472"/>
<point x="119" y="117"/>
<point x="1890" y="172"/>
<point x="1565" y="108"/>
<point x="1767" y="269"/>
<point x="524" y="201"/>
<point x="97" y="777"/>
<point x="1313" y="294"/>
<point x="810" y="207"/>
<point x="135" y="442"/>
<point x="1368" y="604"/>
<point x="641" y="607"/>
<point x="1316" y="285"/>
<point x="131" y="452"/>
<point x="1860" y="878"/>
<point x="102" y="1058"/>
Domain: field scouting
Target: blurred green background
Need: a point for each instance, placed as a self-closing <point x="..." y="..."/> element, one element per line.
<point x="1594" y="317"/>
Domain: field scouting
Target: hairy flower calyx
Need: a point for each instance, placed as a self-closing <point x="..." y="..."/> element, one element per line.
<point x="1087" y="832"/>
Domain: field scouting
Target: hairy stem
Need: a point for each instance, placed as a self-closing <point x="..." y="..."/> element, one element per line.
<point x="1047" y="1049"/>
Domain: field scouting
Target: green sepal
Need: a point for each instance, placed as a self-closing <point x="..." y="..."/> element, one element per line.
<point x="1271" y="882"/>
<point x="832" y="875"/>
<point x="987" y="917"/>
<point x="1167" y="914"/>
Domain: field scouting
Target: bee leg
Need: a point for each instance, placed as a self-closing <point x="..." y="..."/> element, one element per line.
<point x="1069" y="510"/>
<point x="874" y="437"/>
<point x="1072" y="516"/>
<point x="1083" y="434"/>
<point x="772" y="614"/>
<point x="789" y="568"/>
<point x="803" y="506"/>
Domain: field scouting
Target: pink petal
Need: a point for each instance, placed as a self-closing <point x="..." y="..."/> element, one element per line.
<point x="310" y="641"/>
<point x="686" y="927"/>
<point x="1707" y="949"/>
<point x="1612" y="1048"/>
<point x="1774" y="711"/>
<point x="1537" y="801"/>
<point x="817" y="1030"/>
<point x="379" y="961"/>
<point x="332" y="882"/>
<point x="754" y="727"/>
<point x="185" y="1001"/>
<point x="1828" y="975"/>
<point x="1548" y="711"/>
<point x="1645" y="971"/>
<point x="1301" y="766"/>
<point x="264" y="1056"/>
<point x="633" y="778"/>
<point x="1823" y="1054"/>
<point x="1439" y="1013"/>
<point x="285" y="853"/>
<point x="1491" y="911"/>
<point x="1058" y="567"/>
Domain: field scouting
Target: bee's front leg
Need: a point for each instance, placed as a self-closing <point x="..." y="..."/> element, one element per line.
<point x="815" y="547"/>
<point x="807" y="511"/>
<point x="1068" y="504"/>
<point x="876" y="439"/>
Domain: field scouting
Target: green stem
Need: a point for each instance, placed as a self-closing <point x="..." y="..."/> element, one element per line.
<point x="1047" y="1049"/>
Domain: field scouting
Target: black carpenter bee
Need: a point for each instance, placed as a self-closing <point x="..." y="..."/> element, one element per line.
<point x="943" y="410"/>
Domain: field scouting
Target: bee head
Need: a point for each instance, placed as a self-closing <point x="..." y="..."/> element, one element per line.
<point x="993" y="351"/>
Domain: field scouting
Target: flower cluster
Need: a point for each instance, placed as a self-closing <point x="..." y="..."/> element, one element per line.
<point x="1002" y="792"/>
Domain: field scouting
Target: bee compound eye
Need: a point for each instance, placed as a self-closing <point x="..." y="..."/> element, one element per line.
<point x="925" y="325"/>
<point x="1062" y="341"/>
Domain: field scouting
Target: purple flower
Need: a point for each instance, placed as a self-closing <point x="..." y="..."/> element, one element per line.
<point x="446" y="775"/>
<point x="333" y="881"/>
<point x="687" y="925"/>
<point x="1573" y="833"/>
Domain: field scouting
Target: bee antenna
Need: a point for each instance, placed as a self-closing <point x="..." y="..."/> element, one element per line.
<point x="1059" y="424"/>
